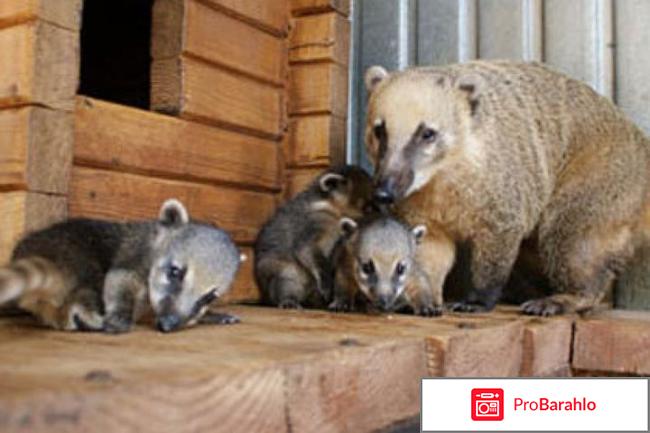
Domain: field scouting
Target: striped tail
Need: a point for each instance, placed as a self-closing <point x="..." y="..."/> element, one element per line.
<point x="28" y="275"/>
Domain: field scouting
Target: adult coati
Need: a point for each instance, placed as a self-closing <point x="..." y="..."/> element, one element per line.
<point x="490" y="153"/>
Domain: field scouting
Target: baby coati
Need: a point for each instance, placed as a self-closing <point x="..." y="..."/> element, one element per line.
<point x="293" y="250"/>
<point x="378" y="260"/>
<point x="90" y="275"/>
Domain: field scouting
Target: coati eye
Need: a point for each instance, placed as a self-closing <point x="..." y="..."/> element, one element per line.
<point x="368" y="268"/>
<point x="175" y="273"/>
<point x="429" y="134"/>
<point x="379" y="129"/>
<point x="400" y="269"/>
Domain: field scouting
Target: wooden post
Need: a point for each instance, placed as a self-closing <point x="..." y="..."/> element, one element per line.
<point x="39" y="53"/>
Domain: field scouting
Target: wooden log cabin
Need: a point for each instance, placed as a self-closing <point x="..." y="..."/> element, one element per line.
<point x="232" y="106"/>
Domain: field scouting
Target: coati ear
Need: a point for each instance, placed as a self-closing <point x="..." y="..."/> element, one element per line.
<point x="348" y="227"/>
<point x="374" y="75"/>
<point x="173" y="213"/>
<point x="472" y="85"/>
<point x="330" y="181"/>
<point x="419" y="231"/>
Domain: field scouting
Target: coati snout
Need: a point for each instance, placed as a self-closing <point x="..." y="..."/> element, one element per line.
<point x="188" y="272"/>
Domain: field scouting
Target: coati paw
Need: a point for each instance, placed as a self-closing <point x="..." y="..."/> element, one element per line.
<point x="339" y="306"/>
<point x="429" y="311"/>
<point x="289" y="304"/>
<point x="542" y="307"/>
<point x="116" y="324"/>
<point x="466" y="307"/>
<point x="220" y="319"/>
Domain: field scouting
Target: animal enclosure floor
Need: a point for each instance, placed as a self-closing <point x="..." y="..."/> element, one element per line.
<point x="288" y="371"/>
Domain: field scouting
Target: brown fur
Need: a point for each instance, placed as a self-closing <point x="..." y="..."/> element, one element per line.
<point x="519" y="151"/>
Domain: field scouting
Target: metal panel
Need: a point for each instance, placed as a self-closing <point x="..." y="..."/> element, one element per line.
<point x="578" y="40"/>
<point x="446" y="31"/>
<point x="510" y="29"/>
<point x="386" y="37"/>
<point x="632" y="59"/>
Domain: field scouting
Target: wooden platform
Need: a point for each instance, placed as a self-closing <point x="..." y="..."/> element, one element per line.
<point x="287" y="371"/>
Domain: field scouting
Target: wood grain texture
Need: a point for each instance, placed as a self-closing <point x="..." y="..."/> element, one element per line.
<point x="63" y="13"/>
<point x="36" y="149"/>
<point x="318" y="88"/>
<point x="272" y="16"/>
<point x="121" y="196"/>
<point x="23" y="212"/>
<point x="189" y="28"/>
<point x="323" y="37"/>
<point x="315" y="141"/>
<point x="546" y="346"/>
<point x="40" y="64"/>
<point x="305" y="7"/>
<point x="244" y="289"/>
<point x="276" y="371"/>
<point x="123" y="138"/>
<point x="298" y="179"/>
<point x="615" y="341"/>
<point x="200" y="91"/>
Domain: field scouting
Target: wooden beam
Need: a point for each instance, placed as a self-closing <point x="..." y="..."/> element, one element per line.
<point x="547" y="346"/>
<point x="272" y="16"/>
<point x="188" y="28"/>
<point x="318" y="88"/>
<point x="40" y="65"/>
<point x="616" y="341"/>
<point x="244" y="289"/>
<point x="104" y="194"/>
<point x="316" y="141"/>
<point x="306" y="7"/>
<point x="127" y="139"/>
<point x="299" y="179"/>
<point x="121" y="196"/>
<point x="200" y="91"/>
<point x="35" y="149"/>
<point x="23" y="212"/>
<point x="63" y="13"/>
<point x="324" y="37"/>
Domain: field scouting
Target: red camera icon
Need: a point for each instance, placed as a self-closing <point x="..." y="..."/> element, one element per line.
<point x="487" y="404"/>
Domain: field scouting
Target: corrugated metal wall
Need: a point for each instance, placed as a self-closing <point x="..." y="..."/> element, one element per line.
<point x="603" y="42"/>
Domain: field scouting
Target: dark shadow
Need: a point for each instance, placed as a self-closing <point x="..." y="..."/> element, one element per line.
<point x="115" y="51"/>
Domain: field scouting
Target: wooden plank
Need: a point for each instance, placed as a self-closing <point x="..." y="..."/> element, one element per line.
<point x="35" y="149"/>
<point x="272" y="16"/>
<point x="306" y="7"/>
<point x="120" y="196"/>
<point x="318" y="88"/>
<point x="123" y="138"/>
<point x="40" y="65"/>
<point x="23" y="212"/>
<point x="316" y="141"/>
<point x="614" y="341"/>
<point x="299" y="179"/>
<point x="196" y="90"/>
<point x="63" y="13"/>
<point x="320" y="37"/>
<point x="244" y="289"/>
<point x="237" y="45"/>
<point x="546" y="346"/>
<point x="350" y="394"/>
